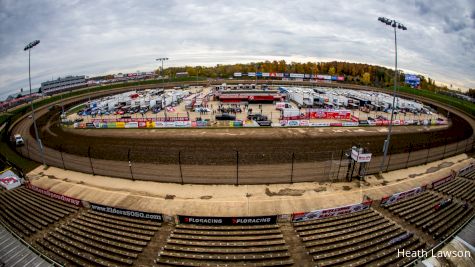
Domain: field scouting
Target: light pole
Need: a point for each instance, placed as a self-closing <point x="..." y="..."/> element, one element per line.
<point x="395" y="25"/>
<point x="161" y="59"/>
<point x="28" y="48"/>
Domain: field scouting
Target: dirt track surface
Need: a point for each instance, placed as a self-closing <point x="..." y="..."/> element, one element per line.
<point x="214" y="153"/>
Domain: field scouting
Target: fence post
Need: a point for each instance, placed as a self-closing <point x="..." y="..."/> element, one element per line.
<point x="28" y="148"/>
<point x="428" y="150"/>
<point x="339" y="166"/>
<point x="237" y="167"/>
<point x="130" y="165"/>
<point x="389" y="159"/>
<point x="179" y="164"/>
<point x="61" y="153"/>
<point x="409" y="155"/>
<point x="90" y="160"/>
<point x="292" y="169"/>
<point x="445" y="148"/>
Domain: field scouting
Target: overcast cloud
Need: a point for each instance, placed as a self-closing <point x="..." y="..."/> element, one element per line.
<point x="105" y="37"/>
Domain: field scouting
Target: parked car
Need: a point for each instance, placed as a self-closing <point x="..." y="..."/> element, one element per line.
<point x="257" y="117"/>
<point x="18" y="140"/>
<point x="225" y="117"/>
<point x="200" y="109"/>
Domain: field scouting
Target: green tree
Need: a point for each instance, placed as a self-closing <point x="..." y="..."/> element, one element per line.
<point x="331" y="71"/>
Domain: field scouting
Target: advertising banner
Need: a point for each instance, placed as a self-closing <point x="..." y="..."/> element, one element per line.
<point x="265" y="74"/>
<point x="444" y="180"/>
<point x="127" y="213"/>
<point x="90" y="125"/>
<point x="132" y="125"/>
<point x="201" y="124"/>
<point x="228" y="220"/>
<point x="120" y="124"/>
<point x="9" y="180"/>
<point x="251" y="74"/>
<point x="340" y="78"/>
<point x="237" y="74"/>
<point x="388" y="200"/>
<point x="350" y="124"/>
<point x="319" y="124"/>
<point x="250" y="123"/>
<point x="296" y="75"/>
<point x="158" y="124"/>
<point x="50" y="194"/>
<point x="412" y="79"/>
<point x="325" y="213"/>
<point x="183" y="124"/>
<point x="360" y="157"/>
<point x="279" y="75"/>
<point x="304" y="123"/>
<point x="329" y="114"/>
<point x="290" y="123"/>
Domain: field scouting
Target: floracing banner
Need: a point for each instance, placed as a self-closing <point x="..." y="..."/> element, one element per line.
<point x="228" y="220"/>
<point x="444" y="180"/>
<point x="325" y="213"/>
<point x="50" y="194"/>
<point x="388" y="200"/>
<point x="127" y="213"/>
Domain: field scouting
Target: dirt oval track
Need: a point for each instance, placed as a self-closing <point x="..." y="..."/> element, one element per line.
<point x="239" y="155"/>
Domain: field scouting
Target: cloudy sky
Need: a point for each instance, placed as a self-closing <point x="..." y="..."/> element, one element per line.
<point x="104" y="37"/>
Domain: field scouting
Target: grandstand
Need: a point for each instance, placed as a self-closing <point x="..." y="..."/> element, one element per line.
<point x="101" y="239"/>
<point x="204" y="245"/>
<point x="72" y="232"/>
<point x="434" y="213"/>
<point x="361" y="238"/>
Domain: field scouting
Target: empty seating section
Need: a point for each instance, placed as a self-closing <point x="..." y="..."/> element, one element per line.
<point x="98" y="239"/>
<point x="27" y="212"/>
<point x="355" y="239"/>
<point x="203" y="245"/>
<point x="435" y="214"/>
<point x="469" y="175"/>
<point x="460" y="188"/>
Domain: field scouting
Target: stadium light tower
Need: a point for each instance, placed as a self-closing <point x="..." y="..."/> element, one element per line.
<point x="28" y="48"/>
<point x="396" y="25"/>
<point x="161" y="59"/>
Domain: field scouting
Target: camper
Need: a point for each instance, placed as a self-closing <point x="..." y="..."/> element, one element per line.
<point x="282" y="105"/>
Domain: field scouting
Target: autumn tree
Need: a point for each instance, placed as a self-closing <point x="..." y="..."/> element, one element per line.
<point x="366" y="78"/>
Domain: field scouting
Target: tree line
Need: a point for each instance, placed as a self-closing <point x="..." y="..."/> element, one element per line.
<point x="358" y="73"/>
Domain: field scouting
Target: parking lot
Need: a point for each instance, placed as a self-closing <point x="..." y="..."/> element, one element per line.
<point x="212" y="110"/>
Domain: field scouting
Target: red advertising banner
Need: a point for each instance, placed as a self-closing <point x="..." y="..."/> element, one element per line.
<point x="388" y="200"/>
<point x="325" y="213"/>
<point x="444" y="180"/>
<point x="142" y="119"/>
<point x="50" y="194"/>
<point x="328" y="114"/>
